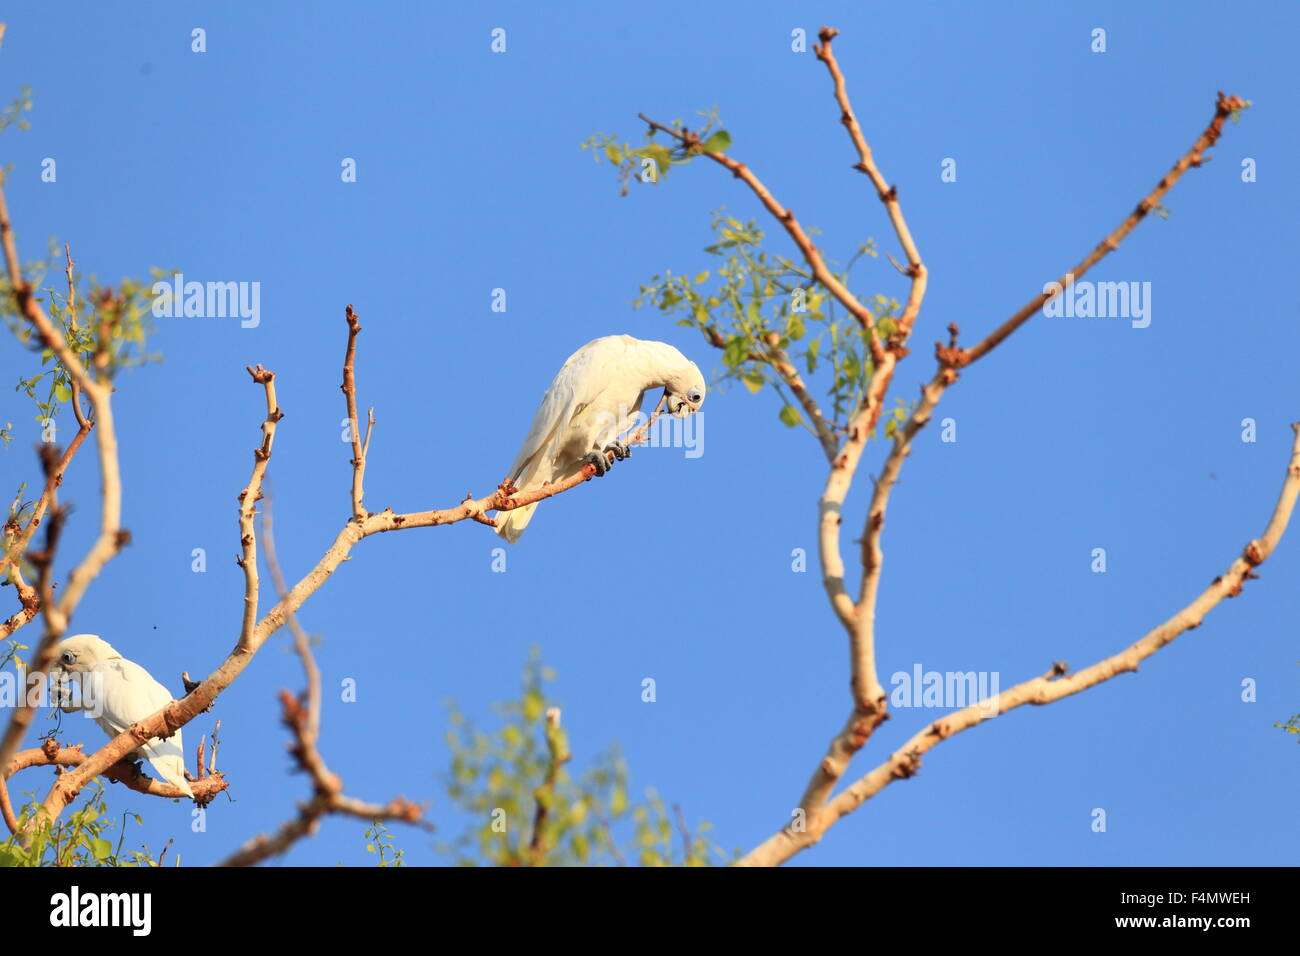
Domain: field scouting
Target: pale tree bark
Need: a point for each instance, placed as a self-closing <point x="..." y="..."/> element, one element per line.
<point x="817" y="808"/>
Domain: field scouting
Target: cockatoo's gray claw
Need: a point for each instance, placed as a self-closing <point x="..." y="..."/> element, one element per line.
<point x="598" y="461"/>
<point x="620" y="450"/>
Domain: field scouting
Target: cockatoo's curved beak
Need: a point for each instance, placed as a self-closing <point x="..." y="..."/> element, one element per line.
<point x="679" y="407"/>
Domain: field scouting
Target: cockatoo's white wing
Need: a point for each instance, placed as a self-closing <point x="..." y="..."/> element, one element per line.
<point x="577" y="386"/>
<point x="129" y="694"/>
<point x="593" y="399"/>
<point x="560" y="423"/>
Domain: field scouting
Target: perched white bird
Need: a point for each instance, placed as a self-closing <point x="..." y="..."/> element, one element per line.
<point x="118" y="692"/>
<point x="594" y="399"/>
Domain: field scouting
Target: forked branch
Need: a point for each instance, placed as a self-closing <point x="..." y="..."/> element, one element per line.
<point x="1054" y="685"/>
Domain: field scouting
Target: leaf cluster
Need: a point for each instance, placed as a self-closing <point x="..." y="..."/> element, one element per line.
<point x="499" y="778"/>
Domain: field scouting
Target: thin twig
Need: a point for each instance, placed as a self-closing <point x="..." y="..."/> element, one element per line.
<point x="608" y="830"/>
<point x="350" y="393"/>
<point x="1225" y="107"/>
<point x="787" y="219"/>
<point x="302" y="716"/>
<point x="248" y="499"/>
<point x="27" y="598"/>
<point x="688" y="842"/>
<point x="557" y="746"/>
<point x="327" y="797"/>
<point x="301" y="640"/>
<point x="888" y="194"/>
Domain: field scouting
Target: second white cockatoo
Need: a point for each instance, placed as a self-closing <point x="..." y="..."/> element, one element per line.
<point x="594" y="399"/>
<point x="117" y="693"/>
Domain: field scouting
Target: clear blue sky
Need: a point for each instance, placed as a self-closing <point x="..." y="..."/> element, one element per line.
<point x="1077" y="434"/>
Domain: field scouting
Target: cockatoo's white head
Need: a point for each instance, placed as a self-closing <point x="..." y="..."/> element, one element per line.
<point x="685" y="390"/>
<point x="662" y="364"/>
<point x="81" y="653"/>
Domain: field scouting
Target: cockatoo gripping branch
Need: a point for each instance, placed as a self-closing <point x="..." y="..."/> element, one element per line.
<point x="167" y="721"/>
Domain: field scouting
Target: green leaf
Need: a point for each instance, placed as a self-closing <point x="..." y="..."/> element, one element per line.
<point x="532" y="706"/>
<point x="718" y="142"/>
<point x="581" y="848"/>
<point x="790" y="416"/>
<point x="754" y="381"/>
<point x="12" y="856"/>
<point x="736" y="352"/>
<point x="662" y="158"/>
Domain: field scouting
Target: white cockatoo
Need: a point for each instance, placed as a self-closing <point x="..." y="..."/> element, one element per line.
<point x="117" y="693"/>
<point x="594" y="399"/>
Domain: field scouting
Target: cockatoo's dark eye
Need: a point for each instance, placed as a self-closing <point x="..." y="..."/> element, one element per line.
<point x="69" y="657"/>
<point x="694" y="396"/>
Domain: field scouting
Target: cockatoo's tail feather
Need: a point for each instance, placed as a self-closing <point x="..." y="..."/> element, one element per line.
<point x="511" y="524"/>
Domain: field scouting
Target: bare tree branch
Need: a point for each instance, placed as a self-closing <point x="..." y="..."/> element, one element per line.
<point x="771" y="354"/>
<point x="128" y="772"/>
<point x="858" y="617"/>
<point x="327" y="797"/>
<point x="888" y="194"/>
<point x="688" y="842"/>
<point x="349" y="386"/>
<point x="301" y="640"/>
<point x="869" y="698"/>
<point x="7" y="808"/>
<point x="177" y="714"/>
<point x="1225" y="107"/>
<point x="1052" y="686"/>
<point x="111" y="536"/>
<point x="248" y="499"/>
<point x="868" y="695"/>
<point x="16" y="542"/>
<point x="302" y="716"/>
<point x="787" y="219"/>
<point x="43" y="657"/>
<point x="26" y="597"/>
